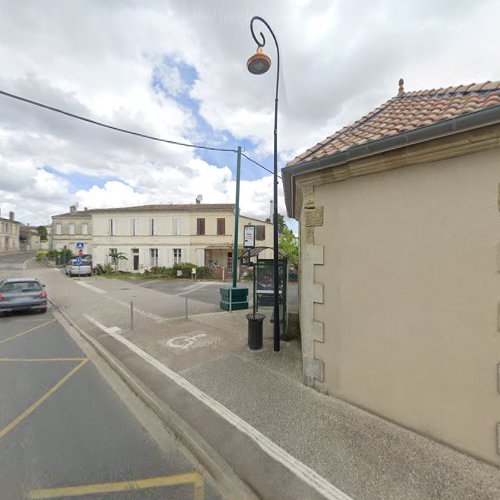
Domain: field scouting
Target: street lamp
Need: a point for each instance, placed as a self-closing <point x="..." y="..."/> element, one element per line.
<point x="258" y="64"/>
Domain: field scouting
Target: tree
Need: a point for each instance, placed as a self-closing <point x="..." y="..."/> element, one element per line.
<point x="281" y="223"/>
<point x="288" y="243"/>
<point x="42" y="231"/>
<point x="116" y="257"/>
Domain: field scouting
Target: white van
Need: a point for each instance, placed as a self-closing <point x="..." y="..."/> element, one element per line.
<point x="84" y="269"/>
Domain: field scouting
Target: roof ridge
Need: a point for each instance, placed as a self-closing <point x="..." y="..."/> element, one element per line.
<point x="473" y="88"/>
<point x="349" y="128"/>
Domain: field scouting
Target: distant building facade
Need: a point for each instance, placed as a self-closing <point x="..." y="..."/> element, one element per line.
<point x="70" y="228"/>
<point x="9" y="234"/>
<point x="29" y="238"/>
<point x="165" y="235"/>
<point x="157" y="235"/>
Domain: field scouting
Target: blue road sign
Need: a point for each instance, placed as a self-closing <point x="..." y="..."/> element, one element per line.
<point x="79" y="245"/>
<point x="78" y="261"/>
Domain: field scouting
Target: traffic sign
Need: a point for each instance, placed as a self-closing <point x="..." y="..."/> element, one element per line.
<point x="80" y="245"/>
<point x="78" y="261"/>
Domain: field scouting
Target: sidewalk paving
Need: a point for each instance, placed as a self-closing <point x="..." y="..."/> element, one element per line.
<point x="363" y="455"/>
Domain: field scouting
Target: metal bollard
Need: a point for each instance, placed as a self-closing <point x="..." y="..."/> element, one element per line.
<point x="131" y="315"/>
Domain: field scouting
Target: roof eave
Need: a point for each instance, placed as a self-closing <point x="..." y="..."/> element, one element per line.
<point x="463" y="123"/>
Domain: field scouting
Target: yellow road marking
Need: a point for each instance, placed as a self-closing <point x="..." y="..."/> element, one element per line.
<point x="155" y="482"/>
<point x="35" y="405"/>
<point x="27" y="331"/>
<point x="38" y="360"/>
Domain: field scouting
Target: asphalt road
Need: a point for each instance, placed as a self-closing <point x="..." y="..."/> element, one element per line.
<point x="208" y="292"/>
<point x="63" y="426"/>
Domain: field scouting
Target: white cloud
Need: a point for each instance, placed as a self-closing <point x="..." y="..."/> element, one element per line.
<point x="339" y="59"/>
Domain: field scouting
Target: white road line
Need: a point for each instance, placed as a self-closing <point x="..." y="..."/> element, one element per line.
<point x="112" y="330"/>
<point x="192" y="288"/>
<point x="91" y="287"/>
<point x="308" y="475"/>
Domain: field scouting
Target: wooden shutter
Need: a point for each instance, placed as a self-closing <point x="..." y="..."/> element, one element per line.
<point x="260" y="233"/>
<point x="200" y="226"/>
<point x="221" y="226"/>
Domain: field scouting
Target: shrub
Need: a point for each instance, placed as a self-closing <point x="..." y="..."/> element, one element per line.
<point x="205" y="273"/>
<point x="103" y="269"/>
<point x="40" y="254"/>
<point x="185" y="268"/>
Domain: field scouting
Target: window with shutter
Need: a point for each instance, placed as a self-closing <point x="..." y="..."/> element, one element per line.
<point x="200" y="226"/>
<point x="260" y="233"/>
<point x="221" y="226"/>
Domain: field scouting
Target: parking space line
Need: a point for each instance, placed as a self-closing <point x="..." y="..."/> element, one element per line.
<point x="91" y="287"/>
<point x="27" y="331"/>
<point x="105" y="329"/>
<point x="38" y="360"/>
<point x="37" y="403"/>
<point x="194" y="478"/>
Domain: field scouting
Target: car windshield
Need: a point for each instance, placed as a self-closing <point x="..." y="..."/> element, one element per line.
<point x="21" y="286"/>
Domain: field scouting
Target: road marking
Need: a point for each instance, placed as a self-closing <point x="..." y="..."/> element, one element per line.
<point x="194" y="478"/>
<point x="26" y="262"/>
<point x="301" y="470"/>
<point x="185" y="341"/>
<point x="36" y="404"/>
<point x="105" y="329"/>
<point x="27" y="331"/>
<point x="91" y="287"/>
<point x="192" y="288"/>
<point x="38" y="360"/>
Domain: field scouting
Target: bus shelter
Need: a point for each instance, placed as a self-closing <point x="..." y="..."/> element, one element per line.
<point x="263" y="283"/>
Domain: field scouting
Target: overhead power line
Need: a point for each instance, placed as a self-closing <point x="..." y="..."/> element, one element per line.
<point x="126" y="131"/>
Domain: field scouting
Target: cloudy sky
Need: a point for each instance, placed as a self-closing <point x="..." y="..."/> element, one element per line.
<point x="176" y="69"/>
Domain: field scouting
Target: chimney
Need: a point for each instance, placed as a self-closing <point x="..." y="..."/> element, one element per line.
<point x="401" y="89"/>
<point x="72" y="209"/>
<point x="85" y="208"/>
<point x="12" y="216"/>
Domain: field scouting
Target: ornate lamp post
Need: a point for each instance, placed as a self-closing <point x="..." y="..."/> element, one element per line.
<point x="258" y="64"/>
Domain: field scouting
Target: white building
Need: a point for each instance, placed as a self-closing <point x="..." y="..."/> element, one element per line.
<point x="164" y="235"/>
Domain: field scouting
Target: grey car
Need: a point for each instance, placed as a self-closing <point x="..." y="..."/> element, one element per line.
<point x="19" y="294"/>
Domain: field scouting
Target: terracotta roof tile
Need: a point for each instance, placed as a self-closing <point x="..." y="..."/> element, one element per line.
<point x="407" y="111"/>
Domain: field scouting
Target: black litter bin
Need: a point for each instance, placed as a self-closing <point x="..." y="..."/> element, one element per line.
<point x="255" y="326"/>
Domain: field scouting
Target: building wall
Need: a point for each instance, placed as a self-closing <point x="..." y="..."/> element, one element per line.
<point x="400" y="304"/>
<point x="65" y="239"/>
<point x="206" y="249"/>
<point x="9" y="235"/>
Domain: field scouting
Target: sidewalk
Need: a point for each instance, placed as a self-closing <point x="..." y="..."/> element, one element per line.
<point x="362" y="455"/>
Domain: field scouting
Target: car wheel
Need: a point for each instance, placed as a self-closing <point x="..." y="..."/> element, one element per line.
<point x="43" y="310"/>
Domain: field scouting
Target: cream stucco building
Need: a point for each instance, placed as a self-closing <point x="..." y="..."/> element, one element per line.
<point x="9" y="234"/>
<point x="400" y="263"/>
<point x="164" y="235"/>
<point x="70" y="228"/>
<point x="156" y="235"/>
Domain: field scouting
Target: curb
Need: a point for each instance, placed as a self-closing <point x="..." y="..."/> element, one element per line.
<point x="228" y="484"/>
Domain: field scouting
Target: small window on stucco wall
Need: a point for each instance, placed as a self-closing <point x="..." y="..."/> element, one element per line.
<point x="260" y="233"/>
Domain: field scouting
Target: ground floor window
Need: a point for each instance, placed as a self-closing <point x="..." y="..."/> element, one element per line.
<point x="153" y="256"/>
<point x="177" y="256"/>
<point x="230" y="260"/>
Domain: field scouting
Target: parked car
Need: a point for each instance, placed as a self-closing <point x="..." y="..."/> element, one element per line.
<point x="84" y="269"/>
<point x="18" y="294"/>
